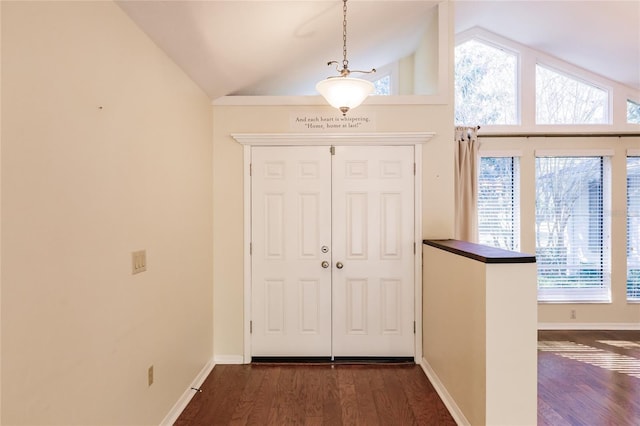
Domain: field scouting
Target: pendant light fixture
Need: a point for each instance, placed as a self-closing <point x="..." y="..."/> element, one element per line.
<point x="341" y="91"/>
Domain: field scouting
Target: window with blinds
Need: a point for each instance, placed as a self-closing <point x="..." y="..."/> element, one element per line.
<point x="633" y="229"/>
<point x="499" y="203"/>
<point x="572" y="229"/>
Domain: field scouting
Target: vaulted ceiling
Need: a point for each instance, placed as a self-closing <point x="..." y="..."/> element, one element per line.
<point x="600" y="36"/>
<point x="279" y="47"/>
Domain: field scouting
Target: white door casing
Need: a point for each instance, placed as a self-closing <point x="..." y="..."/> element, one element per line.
<point x="250" y="140"/>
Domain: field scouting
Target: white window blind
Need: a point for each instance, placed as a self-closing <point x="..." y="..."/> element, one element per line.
<point x="573" y="229"/>
<point x="633" y="229"/>
<point x="499" y="202"/>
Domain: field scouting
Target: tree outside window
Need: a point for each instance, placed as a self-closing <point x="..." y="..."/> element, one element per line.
<point x="633" y="112"/>
<point x="486" y="89"/>
<point x="561" y="99"/>
<point x="571" y="237"/>
<point x="382" y="86"/>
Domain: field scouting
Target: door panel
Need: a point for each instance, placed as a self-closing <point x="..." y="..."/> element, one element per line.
<point x="291" y="219"/>
<point x="357" y="218"/>
<point x="373" y="239"/>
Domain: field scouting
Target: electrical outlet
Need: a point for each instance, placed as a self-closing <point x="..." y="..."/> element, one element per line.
<point x="138" y="261"/>
<point x="573" y="314"/>
<point x="150" y="375"/>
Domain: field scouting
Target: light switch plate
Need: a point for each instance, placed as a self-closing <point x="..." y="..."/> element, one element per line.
<point x="138" y="261"/>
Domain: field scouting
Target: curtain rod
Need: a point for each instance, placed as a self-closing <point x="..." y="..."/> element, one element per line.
<point x="558" y="135"/>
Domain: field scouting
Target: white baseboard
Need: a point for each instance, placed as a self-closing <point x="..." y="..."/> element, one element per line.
<point x="228" y="359"/>
<point x="588" y="326"/>
<point x="183" y="401"/>
<point x="449" y="402"/>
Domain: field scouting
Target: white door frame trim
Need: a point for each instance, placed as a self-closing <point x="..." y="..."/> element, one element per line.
<point x="417" y="139"/>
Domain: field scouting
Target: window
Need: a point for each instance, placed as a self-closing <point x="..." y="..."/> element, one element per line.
<point x="561" y="99"/>
<point x="382" y="86"/>
<point x="633" y="112"/>
<point x="485" y="84"/>
<point x="572" y="231"/>
<point x="633" y="229"/>
<point x="498" y="202"/>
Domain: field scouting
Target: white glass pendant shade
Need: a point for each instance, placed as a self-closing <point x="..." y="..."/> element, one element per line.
<point x="344" y="93"/>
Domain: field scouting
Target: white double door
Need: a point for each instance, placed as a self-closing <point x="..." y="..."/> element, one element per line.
<point x="332" y="251"/>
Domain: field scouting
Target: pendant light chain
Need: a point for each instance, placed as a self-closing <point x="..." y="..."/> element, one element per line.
<point x="345" y="71"/>
<point x="345" y="62"/>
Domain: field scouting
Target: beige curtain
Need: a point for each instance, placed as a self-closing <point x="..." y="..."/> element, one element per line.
<point x="466" y="184"/>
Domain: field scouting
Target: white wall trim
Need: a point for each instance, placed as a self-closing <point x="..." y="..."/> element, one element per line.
<point x="588" y="326"/>
<point x="447" y="399"/>
<point x="290" y="139"/>
<point x="417" y="256"/>
<point x="574" y="152"/>
<point x="246" y="173"/>
<point x="228" y="359"/>
<point x="308" y="139"/>
<point x="500" y="153"/>
<point x="186" y="396"/>
<point x="319" y="100"/>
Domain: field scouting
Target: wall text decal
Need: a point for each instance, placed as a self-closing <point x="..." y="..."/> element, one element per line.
<point x="322" y="122"/>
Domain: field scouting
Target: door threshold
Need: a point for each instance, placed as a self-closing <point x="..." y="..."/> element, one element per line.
<point x="362" y="360"/>
<point x="373" y="360"/>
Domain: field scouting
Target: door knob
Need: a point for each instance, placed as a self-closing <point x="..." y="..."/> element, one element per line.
<point x="325" y="264"/>
<point x="339" y="265"/>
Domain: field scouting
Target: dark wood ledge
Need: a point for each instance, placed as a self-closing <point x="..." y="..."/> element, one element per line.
<point x="481" y="253"/>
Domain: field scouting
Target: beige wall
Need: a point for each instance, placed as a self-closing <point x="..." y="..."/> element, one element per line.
<point x="228" y="191"/>
<point x="106" y="149"/>
<point x="454" y="328"/>
<point x="511" y="344"/>
<point x="480" y="337"/>
<point x="426" y="61"/>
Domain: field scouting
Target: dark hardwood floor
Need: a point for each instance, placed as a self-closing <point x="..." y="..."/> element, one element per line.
<point x="316" y="395"/>
<point x="589" y="378"/>
<point x="586" y="378"/>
